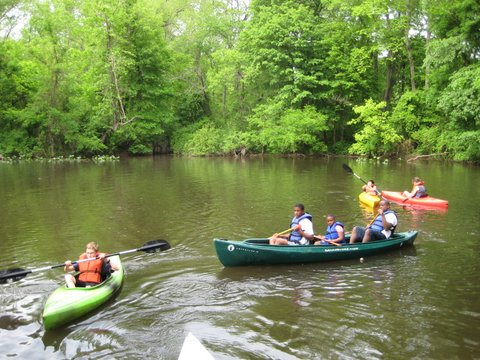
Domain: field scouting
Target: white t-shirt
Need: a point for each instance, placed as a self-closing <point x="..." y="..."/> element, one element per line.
<point x="307" y="226"/>
<point x="391" y="218"/>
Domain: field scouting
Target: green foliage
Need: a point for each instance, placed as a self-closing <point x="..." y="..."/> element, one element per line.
<point x="199" y="139"/>
<point x="464" y="145"/>
<point x="377" y="136"/>
<point x="411" y="112"/>
<point x="457" y="128"/>
<point x="206" y="77"/>
<point x="290" y="131"/>
<point x="460" y="101"/>
<point x="280" y="44"/>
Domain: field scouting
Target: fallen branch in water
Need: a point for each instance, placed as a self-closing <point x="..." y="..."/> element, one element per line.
<point x="426" y="156"/>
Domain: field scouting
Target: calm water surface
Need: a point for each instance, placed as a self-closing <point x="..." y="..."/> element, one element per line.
<point x="421" y="302"/>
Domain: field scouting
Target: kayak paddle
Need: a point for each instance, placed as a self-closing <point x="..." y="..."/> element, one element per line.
<point x="349" y="170"/>
<point x="18" y="273"/>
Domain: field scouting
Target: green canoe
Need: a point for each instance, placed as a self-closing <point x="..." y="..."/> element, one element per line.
<point x="67" y="304"/>
<point x="259" y="252"/>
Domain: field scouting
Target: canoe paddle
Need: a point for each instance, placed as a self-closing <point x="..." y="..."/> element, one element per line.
<point x="18" y="273"/>
<point x="349" y="170"/>
<point x="329" y="241"/>
<point x="284" y="232"/>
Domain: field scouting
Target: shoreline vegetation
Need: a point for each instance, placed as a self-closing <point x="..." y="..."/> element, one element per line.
<point x="382" y="80"/>
<point x="100" y="159"/>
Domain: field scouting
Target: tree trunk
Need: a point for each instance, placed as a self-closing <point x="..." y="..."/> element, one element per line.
<point x="389" y="80"/>
<point x="408" y="46"/>
<point x="427" y="63"/>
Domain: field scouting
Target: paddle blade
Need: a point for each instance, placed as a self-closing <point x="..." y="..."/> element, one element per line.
<point x="11" y="275"/>
<point x="155" y="245"/>
<point x="347" y="168"/>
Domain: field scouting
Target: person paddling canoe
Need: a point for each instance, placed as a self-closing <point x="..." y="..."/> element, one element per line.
<point x="92" y="272"/>
<point x="418" y="191"/>
<point x="301" y="226"/>
<point x="335" y="233"/>
<point x="381" y="227"/>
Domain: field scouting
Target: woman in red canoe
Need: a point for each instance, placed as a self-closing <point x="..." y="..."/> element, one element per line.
<point x="418" y="191"/>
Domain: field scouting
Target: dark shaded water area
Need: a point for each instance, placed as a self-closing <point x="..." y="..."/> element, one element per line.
<point x="419" y="302"/>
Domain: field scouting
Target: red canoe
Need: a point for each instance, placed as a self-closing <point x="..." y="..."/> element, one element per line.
<point x="424" y="201"/>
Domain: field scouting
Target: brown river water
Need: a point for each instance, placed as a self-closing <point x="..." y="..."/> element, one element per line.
<point x="420" y="302"/>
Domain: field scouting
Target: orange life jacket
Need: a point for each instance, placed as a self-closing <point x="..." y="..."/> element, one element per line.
<point x="90" y="271"/>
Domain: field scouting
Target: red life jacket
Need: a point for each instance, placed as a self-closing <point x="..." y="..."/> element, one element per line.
<point x="90" y="271"/>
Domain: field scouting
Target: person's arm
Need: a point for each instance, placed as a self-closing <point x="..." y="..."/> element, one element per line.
<point x="391" y="220"/>
<point x="69" y="266"/>
<point x="341" y="234"/>
<point x="114" y="264"/>
<point x="306" y="229"/>
<point x="385" y="222"/>
<point x="109" y="261"/>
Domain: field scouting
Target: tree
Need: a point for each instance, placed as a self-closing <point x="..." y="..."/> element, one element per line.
<point x="377" y="136"/>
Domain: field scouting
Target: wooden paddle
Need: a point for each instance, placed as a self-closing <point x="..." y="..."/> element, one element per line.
<point x="18" y="273"/>
<point x="329" y="241"/>
<point x="371" y="222"/>
<point x="284" y="232"/>
<point x="349" y="170"/>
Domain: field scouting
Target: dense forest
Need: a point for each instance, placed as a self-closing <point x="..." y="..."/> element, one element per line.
<point x="377" y="78"/>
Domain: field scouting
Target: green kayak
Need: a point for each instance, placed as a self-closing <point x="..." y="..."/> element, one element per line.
<point x="67" y="304"/>
<point x="259" y="252"/>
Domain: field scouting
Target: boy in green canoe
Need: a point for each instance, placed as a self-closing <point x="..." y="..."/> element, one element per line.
<point x="301" y="229"/>
<point x="92" y="272"/>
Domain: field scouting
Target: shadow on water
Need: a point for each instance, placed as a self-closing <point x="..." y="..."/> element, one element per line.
<point x="12" y="322"/>
<point x="241" y="273"/>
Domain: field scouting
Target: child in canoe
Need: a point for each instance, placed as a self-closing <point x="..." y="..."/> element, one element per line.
<point x="334" y="234"/>
<point x="92" y="272"/>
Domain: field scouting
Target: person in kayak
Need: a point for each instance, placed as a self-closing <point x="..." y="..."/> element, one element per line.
<point x="381" y="227"/>
<point x="418" y="191"/>
<point x="335" y="233"/>
<point x="302" y="229"/>
<point x="92" y="272"/>
<point x="370" y="188"/>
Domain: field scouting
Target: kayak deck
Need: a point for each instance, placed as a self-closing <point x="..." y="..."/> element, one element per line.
<point x="371" y="201"/>
<point x="67" y="304"/>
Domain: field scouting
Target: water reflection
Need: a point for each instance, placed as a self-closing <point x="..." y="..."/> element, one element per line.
<point x="341" y="310"/>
